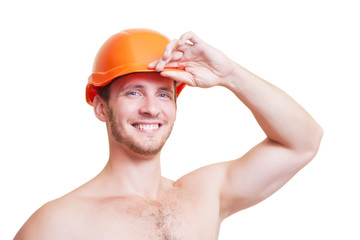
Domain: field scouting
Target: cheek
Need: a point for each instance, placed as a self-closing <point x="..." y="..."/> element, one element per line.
<point x="124" y="111"/>
<point x="170" y="112"/>
<point x="128" y="109"/>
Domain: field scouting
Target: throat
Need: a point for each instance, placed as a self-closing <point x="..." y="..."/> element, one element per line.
<point x="140" y="178"/>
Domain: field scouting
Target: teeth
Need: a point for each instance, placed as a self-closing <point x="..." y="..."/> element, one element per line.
<point x="148" y="127"/>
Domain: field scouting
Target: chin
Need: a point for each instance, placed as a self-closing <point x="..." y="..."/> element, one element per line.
<point x="145" y="149"/>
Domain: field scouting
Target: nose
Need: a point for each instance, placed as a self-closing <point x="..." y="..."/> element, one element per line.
<point x="149" y="107"/>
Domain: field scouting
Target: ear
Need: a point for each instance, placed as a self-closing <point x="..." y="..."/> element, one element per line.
<point x="100" y="108"/>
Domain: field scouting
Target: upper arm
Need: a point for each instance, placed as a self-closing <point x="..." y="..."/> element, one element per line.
<point x="258" y="174"/>
<point x="45" y="223"/>
<point x="37" y="226"/>
<point x="243" y="182"/>
<point x="32" y="228"/>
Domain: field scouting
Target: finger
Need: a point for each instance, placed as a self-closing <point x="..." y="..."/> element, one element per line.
<point x="170" y="47"/>
<point x="183" y="77"/>
<point x="176" y="65"/>
<point x="174" y="50"/>
<point x="153" y="64"/>
<point x="189" y="36"/>
<point x="176" y="56"/>
<point x="157" y="65"/>
<point x="161" y="64"/>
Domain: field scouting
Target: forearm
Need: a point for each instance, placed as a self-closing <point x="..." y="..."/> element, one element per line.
<point x="281" y="118"/>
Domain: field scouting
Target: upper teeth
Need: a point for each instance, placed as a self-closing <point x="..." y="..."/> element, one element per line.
<point x="147" y="126"/>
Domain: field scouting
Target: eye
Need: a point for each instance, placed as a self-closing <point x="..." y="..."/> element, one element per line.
<point x="133" y="94"/>
<point x="163" y="95"/>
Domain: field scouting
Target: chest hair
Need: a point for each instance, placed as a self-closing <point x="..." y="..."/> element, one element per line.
<point x="161" y="220"/>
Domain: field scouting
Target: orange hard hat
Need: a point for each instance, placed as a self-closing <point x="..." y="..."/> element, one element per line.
<point x="126" y="52"/>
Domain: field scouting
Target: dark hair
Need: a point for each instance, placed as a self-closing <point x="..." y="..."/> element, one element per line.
<point x="104" y="92"/>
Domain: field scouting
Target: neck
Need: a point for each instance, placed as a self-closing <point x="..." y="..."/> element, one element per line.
<point x="132" y="174"/>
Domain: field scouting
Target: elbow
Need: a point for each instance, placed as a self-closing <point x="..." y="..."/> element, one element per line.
<point x="318" y="134"/>
<point x="313" y="144"/>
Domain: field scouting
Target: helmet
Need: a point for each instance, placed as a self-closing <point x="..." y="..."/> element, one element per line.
<point x="126" y="52"/>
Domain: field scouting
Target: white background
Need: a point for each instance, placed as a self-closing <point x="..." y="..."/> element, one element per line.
<point x="51" y="142"/>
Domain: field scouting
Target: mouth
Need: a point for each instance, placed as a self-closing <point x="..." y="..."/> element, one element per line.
<point x="147" y="126"/>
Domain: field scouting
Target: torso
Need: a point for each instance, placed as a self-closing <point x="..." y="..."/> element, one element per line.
<point x="178" y="215"/>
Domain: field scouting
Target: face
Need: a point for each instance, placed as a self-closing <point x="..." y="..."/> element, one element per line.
<point x="141" y="112"/>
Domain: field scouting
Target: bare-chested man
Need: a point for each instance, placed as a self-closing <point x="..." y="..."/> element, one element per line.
<point x="130" y="199"/>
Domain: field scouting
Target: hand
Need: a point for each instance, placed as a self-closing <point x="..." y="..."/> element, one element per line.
<point x="204" y="65"/>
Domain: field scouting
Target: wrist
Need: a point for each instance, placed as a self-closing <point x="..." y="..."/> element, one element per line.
<point x="231" y="81"/>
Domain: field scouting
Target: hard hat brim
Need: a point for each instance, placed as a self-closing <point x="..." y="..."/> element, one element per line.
<point x="98" y="80"/>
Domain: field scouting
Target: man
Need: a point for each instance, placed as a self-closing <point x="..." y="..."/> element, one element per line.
<point x="130" y="199"/>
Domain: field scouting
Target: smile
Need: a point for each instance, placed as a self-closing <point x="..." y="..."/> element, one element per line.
<point x="148" y="127"/>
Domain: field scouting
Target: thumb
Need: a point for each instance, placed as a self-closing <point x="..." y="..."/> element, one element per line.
<point x="179" y="76"/>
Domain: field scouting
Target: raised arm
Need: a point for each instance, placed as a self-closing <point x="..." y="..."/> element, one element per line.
<point x="292" y="141"/>
<point x="293" y="136"/>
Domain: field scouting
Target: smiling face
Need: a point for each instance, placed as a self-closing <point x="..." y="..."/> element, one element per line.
<point x="141" y="112"/>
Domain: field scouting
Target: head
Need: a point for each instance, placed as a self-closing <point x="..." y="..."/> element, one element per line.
<point x="139" y="110"/>
<point x="132" y="99"/>
<point x="129" y="51"/>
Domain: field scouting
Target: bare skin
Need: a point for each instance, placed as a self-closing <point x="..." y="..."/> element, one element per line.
<point x="130" y="199"/>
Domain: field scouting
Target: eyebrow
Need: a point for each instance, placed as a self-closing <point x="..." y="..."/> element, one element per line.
<point x="138" y="86"/>
<point x="166" y="89"/>
<point x="132" y="87"/>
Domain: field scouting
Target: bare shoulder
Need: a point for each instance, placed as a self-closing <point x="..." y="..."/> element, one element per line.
<point x="205" y="180"/>
<point x="50" y="220"/>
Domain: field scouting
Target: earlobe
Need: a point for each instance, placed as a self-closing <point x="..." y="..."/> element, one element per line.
<point x="99" y="109"/>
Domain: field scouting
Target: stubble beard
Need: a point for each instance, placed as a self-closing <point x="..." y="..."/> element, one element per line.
<point x="146" y="149"/>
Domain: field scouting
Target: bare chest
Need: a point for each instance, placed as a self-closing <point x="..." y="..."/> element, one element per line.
<point x="156" y="220"/>
<point x="175" y="218"/>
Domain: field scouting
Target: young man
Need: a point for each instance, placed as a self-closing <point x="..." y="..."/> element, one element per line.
<point x="132" y="90"/>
